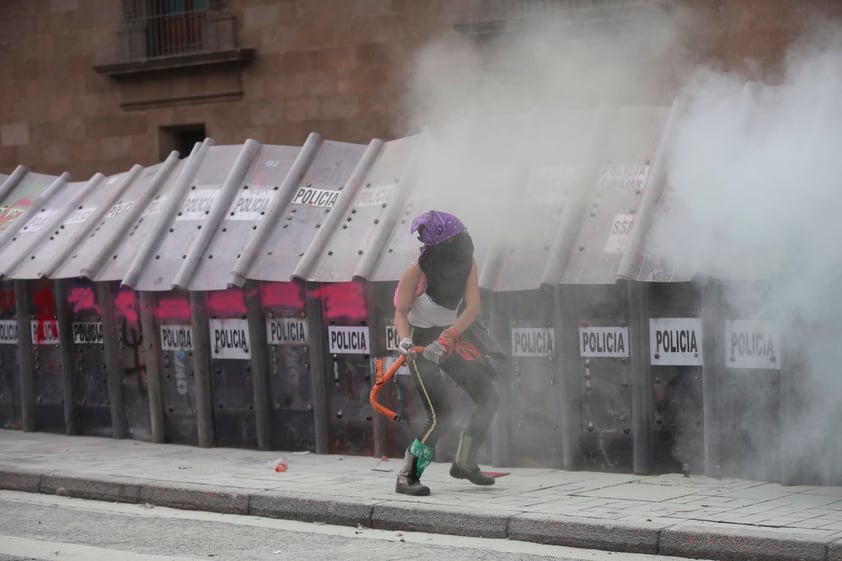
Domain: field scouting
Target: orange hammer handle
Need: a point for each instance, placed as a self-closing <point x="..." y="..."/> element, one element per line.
<point x="381" y="380"/>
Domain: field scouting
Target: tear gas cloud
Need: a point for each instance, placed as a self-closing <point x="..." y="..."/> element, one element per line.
<point x="753" y="166"/>
<point x="756" y="172"/>
<point x="494" y="112"/>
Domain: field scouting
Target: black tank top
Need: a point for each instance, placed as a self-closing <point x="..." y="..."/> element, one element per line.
<point x="447" y="266"/>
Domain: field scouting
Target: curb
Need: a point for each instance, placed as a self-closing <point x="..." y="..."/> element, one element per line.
<point x="439" y="519"/>
<point x="589" y="533"/>
<point x="308" y="509"/>
<point x="740" y="543"/>
<point x="20" y="481"/>
<point x="834" y="551"/>
<point x="196" y="497"/>
<point x="113" y="489"/>
<point x="736" y="543"/>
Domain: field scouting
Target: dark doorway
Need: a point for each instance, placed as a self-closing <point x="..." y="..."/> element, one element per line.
<point x="181" y="138"/>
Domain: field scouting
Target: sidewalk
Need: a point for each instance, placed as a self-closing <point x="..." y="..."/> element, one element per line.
<point x="666" y="514"/>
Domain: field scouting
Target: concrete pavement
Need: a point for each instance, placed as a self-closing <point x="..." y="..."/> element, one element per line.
<point x="695" y="517"/>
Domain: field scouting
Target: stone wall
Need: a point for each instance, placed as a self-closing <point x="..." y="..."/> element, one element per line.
<point x="336" y="67"/>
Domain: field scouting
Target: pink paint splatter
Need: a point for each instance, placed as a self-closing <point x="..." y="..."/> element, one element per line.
<point x="281" y="295"/>
<point x="10" y="213"/>
<point x="7" y="300"/>
<point x="342" y="300"/>
<point x="226" y="303"/>
<point x="125" y="304"/>
<point x="174" y="308"/>
<point x="82" y="298"/>
<point x="45" y="304"/>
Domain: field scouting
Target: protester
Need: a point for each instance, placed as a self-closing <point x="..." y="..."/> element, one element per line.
<point x="437" y="300"/>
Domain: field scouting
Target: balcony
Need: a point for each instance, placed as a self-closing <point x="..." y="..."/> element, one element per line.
<point x="175" y="40"/>
<point x="496" y="17"/>
<point x="159" y="53"/>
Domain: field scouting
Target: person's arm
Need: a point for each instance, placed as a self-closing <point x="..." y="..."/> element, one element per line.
<point x="444" y="345"/>
<point x="407" y="286"/>
<point x="473" y="305"/>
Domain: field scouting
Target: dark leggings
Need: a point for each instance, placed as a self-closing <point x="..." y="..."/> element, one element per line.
<point x="432" y="386"/>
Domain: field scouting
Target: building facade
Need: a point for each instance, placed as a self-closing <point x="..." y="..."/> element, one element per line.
<point x="97" y="86"/>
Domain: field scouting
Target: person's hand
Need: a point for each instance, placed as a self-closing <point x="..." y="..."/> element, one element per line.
<point x="448" y="339"/>
<point x="443" y="346"/>
<point x="434" y="351"/>
<point x="405" y="347"/>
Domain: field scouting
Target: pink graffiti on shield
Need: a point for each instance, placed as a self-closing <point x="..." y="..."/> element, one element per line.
<point x="7" y="300"/>
<point x="281" y="295"/>
<point x="342" y="300"/>
<point x="226" y="303"/>
<point x="173" y="308"/>
<point x="82" y="298"/>
<point x="45" y="304"/>
<point x="125" y="304"/>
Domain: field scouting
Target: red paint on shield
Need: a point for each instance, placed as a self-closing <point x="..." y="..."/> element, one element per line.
<point x="173" y="308"/>
<point x="342" y="300"/>
<point x="7" y="300"/>
<point x="281" y="295"/>
<point x="226" y="303"/>
<point x="83" y="298"/>
<point x="10" y="213"/>
<point x="125" y="304"/>
<point x="45" y="304"/>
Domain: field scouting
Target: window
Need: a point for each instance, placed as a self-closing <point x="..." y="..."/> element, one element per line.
<point x="170" y="26"/>
<point x="513" y="9"/>
<point x="153" y="29"/>
<point x="175" y="26"/>
<point x="180" y="138"/>
<point x="163" y="45"/>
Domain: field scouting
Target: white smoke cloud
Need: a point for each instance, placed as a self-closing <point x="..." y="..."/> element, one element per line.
<point x="752" y="167"/>
<point x="507" y="121"/>
<point x="755" y="166"/>
<point x="755" y="171"/>
<point x="496" y="109"/>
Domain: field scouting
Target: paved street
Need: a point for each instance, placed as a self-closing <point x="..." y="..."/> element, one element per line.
<point x="67" y="529"/>
<point x="667" y="514"/>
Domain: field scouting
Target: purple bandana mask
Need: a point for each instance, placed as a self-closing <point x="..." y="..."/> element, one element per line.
<point x="434" y="227"/>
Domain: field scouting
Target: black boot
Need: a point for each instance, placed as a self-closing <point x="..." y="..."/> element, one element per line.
<point x="408" y="482"/>
<point x="465" y="465"/>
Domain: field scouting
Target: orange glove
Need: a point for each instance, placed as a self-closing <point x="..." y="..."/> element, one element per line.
<point x="448" y="339"/>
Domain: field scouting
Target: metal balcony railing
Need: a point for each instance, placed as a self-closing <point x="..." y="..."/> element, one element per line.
<point x="525" y="8"/>
<point x="163" y="28"/>
<point x="507" y="9"/>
